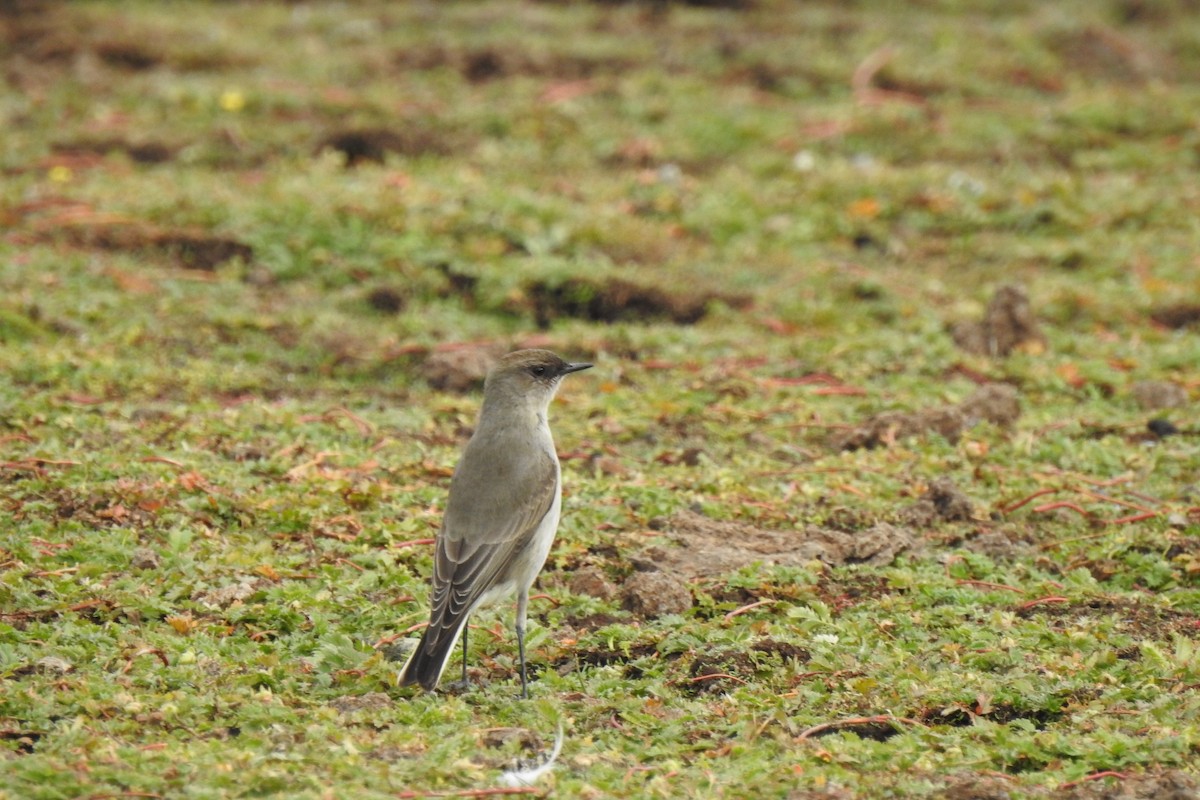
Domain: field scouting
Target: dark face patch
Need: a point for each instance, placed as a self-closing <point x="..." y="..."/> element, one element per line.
<point x="547" y="371"/>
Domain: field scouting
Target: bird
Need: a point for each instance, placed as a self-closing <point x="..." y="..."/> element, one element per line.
<point x="501" y="515"/>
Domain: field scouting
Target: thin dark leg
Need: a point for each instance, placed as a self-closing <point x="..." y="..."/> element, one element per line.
<point x="464" y="637"/>
<point x="521" y="653"/>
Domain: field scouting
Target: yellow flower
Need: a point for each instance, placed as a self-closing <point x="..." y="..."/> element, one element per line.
<point x="60" y="174"/>
<point x="232" y="100"/>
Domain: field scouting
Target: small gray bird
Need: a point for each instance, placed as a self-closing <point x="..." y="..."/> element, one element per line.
<point x="500" y="520"/>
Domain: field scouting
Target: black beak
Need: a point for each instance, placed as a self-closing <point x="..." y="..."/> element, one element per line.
<point x="576" y="367"/>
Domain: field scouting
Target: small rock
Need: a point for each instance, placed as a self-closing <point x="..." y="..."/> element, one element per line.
<point x="144" y="558"/>
<point x="1155" y="395"/>
<point x="1162" y="428"/>
<point x="593" y="583"/>
<point x="656" y="594"/>
<point x="53" y="665"/>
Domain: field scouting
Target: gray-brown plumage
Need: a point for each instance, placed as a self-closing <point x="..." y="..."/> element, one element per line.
<point x="502" y="514"/>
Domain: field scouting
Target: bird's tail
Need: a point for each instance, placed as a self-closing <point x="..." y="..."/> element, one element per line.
<point x="429" y="658"/>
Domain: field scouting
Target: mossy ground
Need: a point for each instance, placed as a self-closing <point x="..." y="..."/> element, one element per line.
<point x="233" y="233"/>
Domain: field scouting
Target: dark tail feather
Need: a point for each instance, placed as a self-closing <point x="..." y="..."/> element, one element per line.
<point x="428" y="661"/>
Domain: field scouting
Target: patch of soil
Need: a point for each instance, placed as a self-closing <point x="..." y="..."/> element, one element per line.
<point x="460" y="368"/>
<point x="367" y="145"/>
<point x="386" y="300"/>
<point x="23" y="741"/>
<point x="1156" y="395"/>
<point x="1180" y="315"/>
<point x="131" y="510"/>
<point x="129" y="55"/>
<point x="723" y="670"/>
<point x="225" y="596"/>
<point x="1139" y="621"/>
<point x="52" y="35"/>
<point x="502" y="737"/>
<point x="488" y="63"/>
<point x="993" y="402"/>
<point x="603" y="656"/>
<point x="706" y="547"/>
<point x="942" y="502"/>
<point x="1002" y="542"/>
<point x="876" y="730"/>
<point x="884" y="430"/>
<point x="998" y="403"/>
<point x="350" y="703"/>
<point x="655" y="594"/>
<point x="975" y="787"/>
<point x="592" y="622"/>
<point x="1165" y="785"/>
<point x="147" y="152"/>
<point x="617" y="300"/>
<point x="1101" y="53"/>
<point x="188" y="249"/>
<point x="592" y="581"/>
<point x="1002" y="713"/>
<point x="853" y="590"/>
<point x="1008" y="323"/>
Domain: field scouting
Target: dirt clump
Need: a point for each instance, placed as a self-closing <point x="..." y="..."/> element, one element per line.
<point x="993" y="402"/>
<point x="997" y="403"/>
<point x="461" y="368"/>
<point x="146" y="152"/>
<point x="386" y="300"/>
<point x="372" y="145"/>
<point x="490" y="63"/>
<point x="1156" y="395"/>
<point x="1007" y="324"/>
<point x="619" y="300"/>
<point x="350" y="703"/>
<point x="1140" y="621"/>
<point x="1169" y="784"/>
<point x="655" y="594"/>
<point x="975" y="787"/>
<point x="703" y="547"/>
<point x="188" y="249"/>
<point x="145" y="558"/>
<point x="943" y="501"/>
<point x="1101" y="53"/>
<point x="592" y="582"/>
<point x="1180" y="315"/>
<point x="892" y="426"/>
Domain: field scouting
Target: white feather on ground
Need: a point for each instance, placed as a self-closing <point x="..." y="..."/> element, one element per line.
<point x="530" y="775"/>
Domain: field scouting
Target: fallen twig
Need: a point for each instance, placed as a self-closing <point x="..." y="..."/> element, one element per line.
<point x="1095" y="776"/>
<point x="1041" y="601"/>
<point x="413" y="543"/>
<point x="739" y="611"/>
<point x="1011" y="507"/>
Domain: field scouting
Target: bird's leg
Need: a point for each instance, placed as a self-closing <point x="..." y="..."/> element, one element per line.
<point x="522" y="601"/>
<point x="466" y="629"/>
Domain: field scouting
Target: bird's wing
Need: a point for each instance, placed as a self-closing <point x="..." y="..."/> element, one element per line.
<point x="482" y="531"/>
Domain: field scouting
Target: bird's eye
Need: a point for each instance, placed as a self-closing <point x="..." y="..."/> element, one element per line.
<point x="539" y="371"/>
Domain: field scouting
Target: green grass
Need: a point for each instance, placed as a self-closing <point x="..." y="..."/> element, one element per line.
<point x="211" y="479"/>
